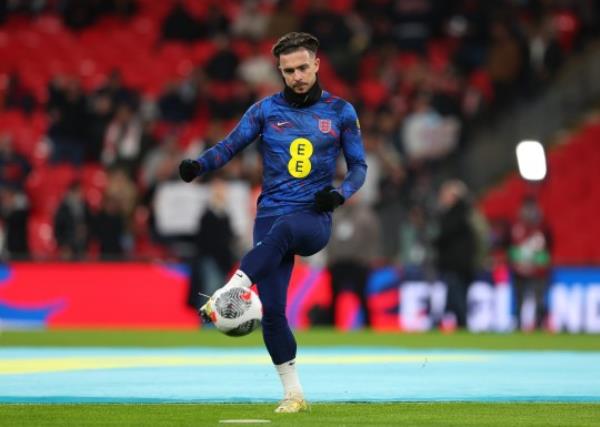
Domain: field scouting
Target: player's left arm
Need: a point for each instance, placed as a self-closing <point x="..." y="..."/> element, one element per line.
<point x="246" y="131"/>
<point x="354" y="153"/>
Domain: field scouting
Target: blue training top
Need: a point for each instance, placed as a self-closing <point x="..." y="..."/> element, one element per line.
<point x="299" y="147"/>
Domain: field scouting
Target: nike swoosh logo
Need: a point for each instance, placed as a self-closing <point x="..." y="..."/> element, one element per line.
<point x="279" y="124"/>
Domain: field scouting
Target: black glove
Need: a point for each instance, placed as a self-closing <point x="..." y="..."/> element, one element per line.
<point x="189" y="169"/>
<point x="328" y="199"/>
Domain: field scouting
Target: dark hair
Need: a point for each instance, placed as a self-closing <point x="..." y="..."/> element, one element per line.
<point x="295" y="41"/>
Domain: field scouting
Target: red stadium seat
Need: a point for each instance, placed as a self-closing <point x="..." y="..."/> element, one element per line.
<point x="568" y="197"/>
<point x="93" y="182"/>
<point x="46" y="186"/>
<point x="42" y="244"/>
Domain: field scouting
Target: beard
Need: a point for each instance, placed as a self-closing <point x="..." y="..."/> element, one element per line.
<point x="301" y="88"/>
<point x="308" y="95"/>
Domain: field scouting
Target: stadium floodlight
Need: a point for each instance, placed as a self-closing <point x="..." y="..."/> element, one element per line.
<point x="531" y="159"/>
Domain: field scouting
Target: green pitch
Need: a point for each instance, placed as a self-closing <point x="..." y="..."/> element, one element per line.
<point x="348" y="414"/>
<point x="314" y="337"/>
<point x="357" y="414"/>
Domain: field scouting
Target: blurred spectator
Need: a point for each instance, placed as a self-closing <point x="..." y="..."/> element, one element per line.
<point x="79" y="14"/>
<point x="589" y="13"/>
<point x="14" y="204"/>
<point x="14" y="214"/>
<point x="180" y="24"/>
<point x="214" y="133"/>
<point x="416" y="244"/>
<point x="251" y="22"/>
<point x="3" y="11"/>
<point x="426" y="135"/>
<point x="222" y="67"/>
<point x="183" y="100"/>
<point x="14" y="167"/>
<point x="506" y="62"/>
<point x="214" y="243"/>
<point x="335" y="37"/>
<point x="18" y="96"/>
<point x="229" y="100"/>
<point x="125" y="141"/>
<point x="69" y="120"/>
<point x="117" y="91"/>
<point x="354" y="247"/>
<point x="529" y="258"/>
<point x="101" y="110"/>
<point x="56" y="92"/>
<point x="192" y="91"/>
<point x="109" y="228"/>
<point x="122" y="192"/>
<point x="414" y="22"/>
<point x="121" y="8"/>
<point x="384" y="186"/>
<point x="216" y="23"/>
<point x="375" y="152"/>
<point x="545" y="55"/>
<point x="456" y="247"/>
<point x="483" y="259"/>
<point x="160" y="163"/>
<point x="467" y="26"/>
<point x="329" y="27"/>
<point x="283" y="20"/>
<point x="177" y="103"/>
<point x="71" y="224"/>
<point x="379" y="17"/>
<point x="258" y="70"/>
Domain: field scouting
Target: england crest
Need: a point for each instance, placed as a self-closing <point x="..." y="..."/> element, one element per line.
<point x="324" y="125"/>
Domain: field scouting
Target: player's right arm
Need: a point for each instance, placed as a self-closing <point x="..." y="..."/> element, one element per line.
<point x="246" y="131"/>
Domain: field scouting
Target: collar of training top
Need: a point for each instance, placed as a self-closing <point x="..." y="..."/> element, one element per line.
<point x="300" y="100"/>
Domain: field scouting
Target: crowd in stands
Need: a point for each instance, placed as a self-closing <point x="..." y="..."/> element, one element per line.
<point x="420" y="73"/>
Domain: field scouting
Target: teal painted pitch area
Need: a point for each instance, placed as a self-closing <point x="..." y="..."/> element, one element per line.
<point x="60" y="375"/>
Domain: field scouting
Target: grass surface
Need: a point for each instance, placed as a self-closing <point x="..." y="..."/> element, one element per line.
<point x="392" y="414"/>
<point x="314" y="337"/>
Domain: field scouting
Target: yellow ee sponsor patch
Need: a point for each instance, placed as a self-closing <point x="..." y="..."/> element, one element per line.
<point x="299" y="166"/>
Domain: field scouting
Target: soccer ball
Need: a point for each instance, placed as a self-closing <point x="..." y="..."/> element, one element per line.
<point x="236" y="311"/>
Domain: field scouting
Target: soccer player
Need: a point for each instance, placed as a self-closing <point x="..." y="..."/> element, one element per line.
<point x="301" y="132"/>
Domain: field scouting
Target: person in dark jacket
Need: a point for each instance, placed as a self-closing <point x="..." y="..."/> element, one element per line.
<point x="214" y="244"/>
<point x="14" y="218"/>
<point x="456" y="247"/>
<point x="109" y="228"/>
<point x="72" y="223"/>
